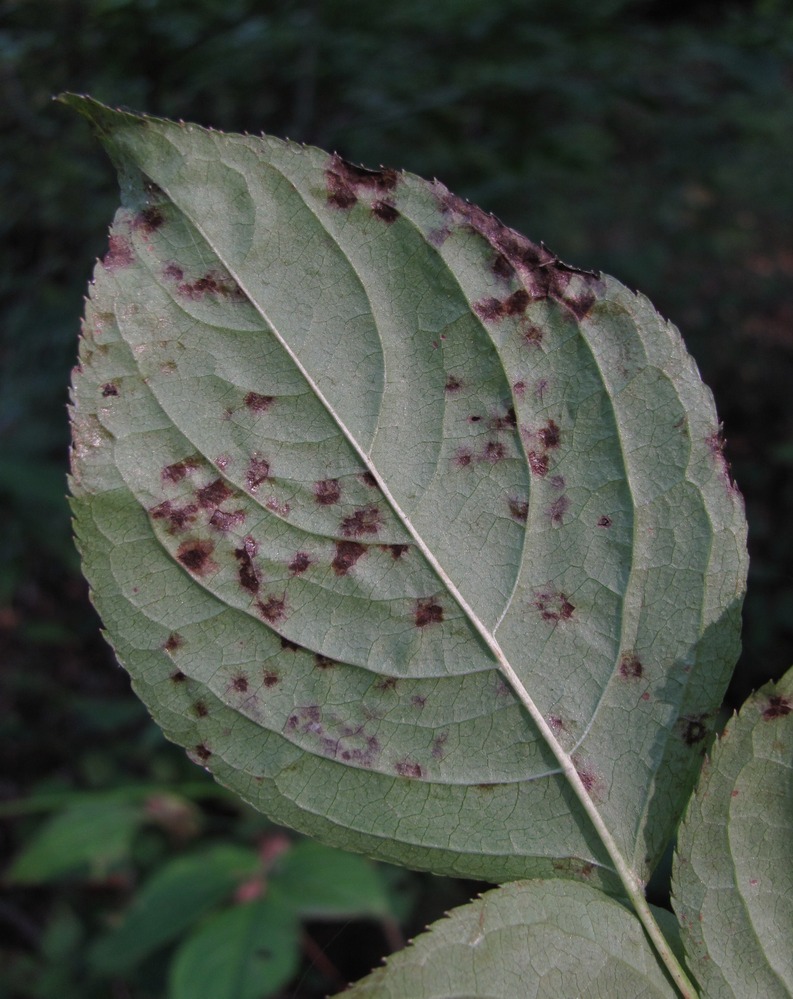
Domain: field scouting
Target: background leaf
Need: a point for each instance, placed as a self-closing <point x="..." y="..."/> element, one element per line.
<point x="326" y="884"/>
<point x="246" y="952"/>
<point x="533" y="939"/>
<point x="733" y="881"/>
<point x="339" y="439"/>
<point x="98" y="834"/>
<point x="179" y="893"/>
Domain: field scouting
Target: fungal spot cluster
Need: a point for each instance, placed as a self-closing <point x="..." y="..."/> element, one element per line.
<point x="179" y="469"/>
<point x="409" y="768"/>
<point x="542" y="274"/>
<point x="630" y="666"/>
<point x="213" y="284"/>
<point x="334" y="737"/>
<point x="257" y="472"/>
<point x="395" y="551"/>
<point x="553" y="606"/>
<point x="427" y="611"/>
<point x="540" y="443"/>
<point x="364" y="520"/>
<point x="196" y="557"/>
<point x="119" y="254"/>
<point x="327" y="492"/>
<point x="272" y="609"/>
<point x="300" y="562"/>
<point x="347" y="554"/>
<point x="173" y="642"/>
<point x="493" y="450"/>
<point x="258" y="403"/>
<point x="149" y="219"/>
<point x="493" y="309"/>
<point x="247" y="573"/>
<point x="693" y="729"/>
<point x="518" y="509"/>
<point x="777" y="707"/>
<point x="558" y="509"/>
<point x="716" y="445"/>
<point x="178" y="518"/>
<point x="347" y="183"/>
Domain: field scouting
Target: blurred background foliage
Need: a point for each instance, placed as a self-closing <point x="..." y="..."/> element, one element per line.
<point x="652" y="139"/>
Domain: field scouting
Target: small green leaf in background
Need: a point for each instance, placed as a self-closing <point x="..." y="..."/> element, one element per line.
<point x="246" y="952"/>
<point x="178" y="894"/>
<point x="324" y="883"/>
<point x="531" y="939"/>
<point x="733" y="876"/>
<point x="97" y="836"/>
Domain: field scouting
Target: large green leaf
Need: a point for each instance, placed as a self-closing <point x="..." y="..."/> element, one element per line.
<point x="733" y="880"/>
<point x="419" y="539"/>
<point x="531" y="939"/>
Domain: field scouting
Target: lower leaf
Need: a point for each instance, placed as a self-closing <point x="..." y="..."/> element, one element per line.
<point x="529" y="938"/>
<point x="733" y="881"/>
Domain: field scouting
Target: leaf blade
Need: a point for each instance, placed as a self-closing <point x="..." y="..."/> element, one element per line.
<point x="732" y="882"/>
<point x="527" y="938"/>
<point x="541" y="481"/>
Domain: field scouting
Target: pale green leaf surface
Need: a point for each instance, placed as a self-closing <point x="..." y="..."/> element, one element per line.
<point x="535" y="939"/>
<point x="338" y="436"/>
<point x="246" y="952"/>
<point x="733" y="878"/>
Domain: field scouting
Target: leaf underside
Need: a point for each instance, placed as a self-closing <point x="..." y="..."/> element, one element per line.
<point x="531" y="939"/>
<point x="733" y="880"/>
<point x="337" y="435"/>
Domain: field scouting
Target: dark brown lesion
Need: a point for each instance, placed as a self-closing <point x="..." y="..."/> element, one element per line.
<point x="518" y="509"/>
<point x="427" y="611"/>
<point x="258" y="403"/>
<point x="327" y="492"/>
<point x="553" y="606"/>
<point x="178" y="518"/>
<point x="364" y="520"/>
<point x="213" y="284"/>
<point x="347" y="554"/>
<point x="346" y="183"/>
<point x="273" y="608"/>
<point x="630" y="666"/>
<point x="542" y="272"/>
<point x="247" y="573"/>
<point x="214" y="494"/>
<point x="693" y="729"/>
<point x="196" y="556"/>
<point x="300" y="562"/>
<point x="777" y="707"/>
<point x="177" y="471"/>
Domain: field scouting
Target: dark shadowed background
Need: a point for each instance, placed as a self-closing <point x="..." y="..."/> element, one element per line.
<point x="652" y="139"/>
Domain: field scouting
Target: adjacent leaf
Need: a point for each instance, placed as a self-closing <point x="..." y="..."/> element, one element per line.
<point x="348" y="456"/>
<point x="733" y="880"/>
<point x="175" y="897"/>
<point x="247" y="952"/>
<point x="532" y="939"/>
<point x="91" y="836"/>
